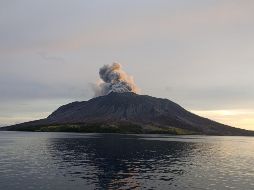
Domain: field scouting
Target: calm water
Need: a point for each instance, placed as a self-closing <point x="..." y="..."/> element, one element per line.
<point x="107" y="161"/>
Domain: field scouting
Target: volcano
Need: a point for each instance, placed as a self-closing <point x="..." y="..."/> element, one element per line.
<point x="127" y="113"/>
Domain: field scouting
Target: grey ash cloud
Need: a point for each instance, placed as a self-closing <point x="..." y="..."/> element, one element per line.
<point x="114" y="79"/>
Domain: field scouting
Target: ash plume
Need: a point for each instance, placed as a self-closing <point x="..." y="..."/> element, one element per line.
<point x="114" y="79"/>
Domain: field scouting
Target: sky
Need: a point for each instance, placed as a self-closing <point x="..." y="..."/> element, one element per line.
<point x="194" y="52"/>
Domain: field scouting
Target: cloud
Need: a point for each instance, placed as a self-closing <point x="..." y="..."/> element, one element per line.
<point x="242" y="118"/>
<point x="55" y="59"/>
<point x="213" y="96"/>
<point x="14" y="88"/>
<point x="124" y="30"/>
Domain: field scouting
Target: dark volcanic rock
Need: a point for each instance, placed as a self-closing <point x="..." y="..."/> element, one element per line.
<point x="142" y="110"/>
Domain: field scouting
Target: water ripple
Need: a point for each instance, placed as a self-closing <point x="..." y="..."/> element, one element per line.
<point x="81" y="161"/>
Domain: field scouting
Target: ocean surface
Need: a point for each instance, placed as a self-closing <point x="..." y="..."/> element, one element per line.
<point x="58" y="161"/>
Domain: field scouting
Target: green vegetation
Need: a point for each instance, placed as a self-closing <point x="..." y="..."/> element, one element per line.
<point x="173" y="131"/>
<point x="95" y="128"/>
<point x="106" y="128"/>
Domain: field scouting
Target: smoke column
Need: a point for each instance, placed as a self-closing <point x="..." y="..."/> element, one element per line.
<point x="114" y="79"/>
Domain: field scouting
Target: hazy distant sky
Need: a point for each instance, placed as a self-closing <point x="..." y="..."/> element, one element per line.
<point x="198" y="53"/>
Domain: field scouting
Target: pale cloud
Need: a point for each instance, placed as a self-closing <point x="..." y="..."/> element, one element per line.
<point x="16" y="111"/>
<point x="183" y="24"/>
<point x="241" y="118"/>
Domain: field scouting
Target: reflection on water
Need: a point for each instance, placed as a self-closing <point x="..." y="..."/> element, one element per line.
<point x="111" y="161"/>
<point x="115" y="161"/>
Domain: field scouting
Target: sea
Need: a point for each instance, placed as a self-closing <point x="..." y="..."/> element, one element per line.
<point x="77" y="161"/>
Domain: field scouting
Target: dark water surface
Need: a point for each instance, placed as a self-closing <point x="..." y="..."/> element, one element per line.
<point x="111" y="161"/>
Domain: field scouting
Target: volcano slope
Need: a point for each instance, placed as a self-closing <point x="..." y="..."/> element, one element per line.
<point x="127" y="113"/>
